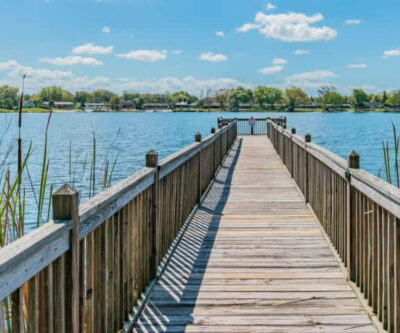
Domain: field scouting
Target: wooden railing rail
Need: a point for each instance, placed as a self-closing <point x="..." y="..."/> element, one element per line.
<point x="359" y="212"/>
<point x="85" y="270"/>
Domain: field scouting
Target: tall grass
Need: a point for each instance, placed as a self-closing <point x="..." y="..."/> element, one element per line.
<point x="391" y="158"/>
<point x="13" y="192"/>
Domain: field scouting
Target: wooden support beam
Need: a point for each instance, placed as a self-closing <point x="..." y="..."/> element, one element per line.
<point x="66" y="207"/>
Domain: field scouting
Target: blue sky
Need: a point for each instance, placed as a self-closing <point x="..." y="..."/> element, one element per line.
<point x="160" y="45"/>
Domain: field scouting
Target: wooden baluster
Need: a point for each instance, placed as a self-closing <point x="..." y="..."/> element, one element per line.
<point x="353" y="162"/>
<point x="152" y="162"/>
<point x="307" y="139"/>
<point x="197" y="138"/>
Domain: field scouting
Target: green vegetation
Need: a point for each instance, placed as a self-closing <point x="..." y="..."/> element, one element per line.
<point x="239" y="99"/>
<point x="391" y="159"/>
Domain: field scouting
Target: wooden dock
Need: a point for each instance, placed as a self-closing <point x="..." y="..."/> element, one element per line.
<point x="253" y="259"/>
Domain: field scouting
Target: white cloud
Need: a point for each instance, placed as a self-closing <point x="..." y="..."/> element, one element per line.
<point x="190" y="84"/>
<point x="177" y="51"/>
<point x="91" y="48"/>
<point x="219" y="34"/>
<point x="352" y="22"/>
<point x="301" y="52"/>
<point x="106" y="29"/>
<point x="213" y="57"/>
<point x="279" y="61"/>
<point x="144" y="55"/>
<point x="391" y="53"/>
<point x="307" y="80"/>
<point x="290" y="27"/>
<point x="270" y="6"/>
<point x="72" y="60"/>
<point x="357" y="66"/>
<point x="38" y="78"/>
<point x="271" y="70"/>
<point x="247" y="27"/>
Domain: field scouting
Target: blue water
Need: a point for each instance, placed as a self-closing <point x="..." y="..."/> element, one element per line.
<point x="166" y="133"/>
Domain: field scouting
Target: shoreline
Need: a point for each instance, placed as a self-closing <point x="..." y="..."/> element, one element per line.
<point x="205" y="111"/>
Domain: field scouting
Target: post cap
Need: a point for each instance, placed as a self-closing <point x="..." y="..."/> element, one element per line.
<point x="293" y="130"/>
<point x="151" y="159"/>
<point x="353" y="160"/>
<point x="307" y="137"/>
<point x="212" y="129"/>
<point x="197" y="137"/>
<point x="64" y="200"/>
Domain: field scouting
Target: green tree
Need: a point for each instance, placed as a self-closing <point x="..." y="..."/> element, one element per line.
<point x="384" y="97"/>
<point x="128" y="96"/>
<point x="8" y="97"/>
<point x="81" y="97"/>
<point x="35" y="99"/>
<point x="138" y="101"/>
<point x="221" y="96"/>
<point x="267" y="95"/>
<point x="239" y="96"/>
<point x="100" y="96"/>
<point x="114" y="102"/>
<point x="359" y="98"/>
<point x="55" y="94"/>
<point x="295" y="96"/>
<point x="329" y="96"/>
<point x="393" y="99"/>
<point x="179" y="96"/>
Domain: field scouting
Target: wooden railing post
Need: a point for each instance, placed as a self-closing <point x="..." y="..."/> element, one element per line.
<point x="307" y="139"/>
<point x="152" y="162"/>
<point x="66" y="207"/>
<point x="293" y="131"/>
<point x="353" y="162"/>
<point x="214" y="151"/>
<point x="197" y="138"/>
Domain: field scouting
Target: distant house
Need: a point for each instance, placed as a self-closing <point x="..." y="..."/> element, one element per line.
<point x="182" y="105"/>
<point x="28" y="105"/>
<point x="155" y="106"/>
<point x="212" y="105"/>
<point x="59" y="105"/>
<point x="126" y="105"/>
<point x="308" y="106"/>
<point x="96" y="107"/>
<point x="245" y="106"/>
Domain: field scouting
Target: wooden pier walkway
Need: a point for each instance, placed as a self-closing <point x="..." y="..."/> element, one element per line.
<point x="253" y="259"/>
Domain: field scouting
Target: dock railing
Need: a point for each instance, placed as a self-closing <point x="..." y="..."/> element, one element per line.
<point x="85" y="270"/>
<point x="358" y="211"/>
<point x="258" y="126"/>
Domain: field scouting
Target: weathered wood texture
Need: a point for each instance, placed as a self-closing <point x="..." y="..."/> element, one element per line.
<point x="253" y="259"/>
<point x="360" y="214"/>
<point x="47" y="285"/>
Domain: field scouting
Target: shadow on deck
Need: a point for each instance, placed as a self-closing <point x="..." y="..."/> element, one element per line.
<point x="177" y="289"/>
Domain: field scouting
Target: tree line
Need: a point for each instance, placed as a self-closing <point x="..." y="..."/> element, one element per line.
<point x="261" y="97"/>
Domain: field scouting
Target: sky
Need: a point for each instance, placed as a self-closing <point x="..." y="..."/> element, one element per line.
<point x="170" y="45"/>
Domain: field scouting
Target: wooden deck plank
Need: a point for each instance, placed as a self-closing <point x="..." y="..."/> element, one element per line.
<point x="253" y="258"/>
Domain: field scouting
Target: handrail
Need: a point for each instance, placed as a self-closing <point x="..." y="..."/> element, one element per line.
<point x="141" y="214"/>
<point x="359" y="212"/>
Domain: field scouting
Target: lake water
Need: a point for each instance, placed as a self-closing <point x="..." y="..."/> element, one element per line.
<point x="166" y="133"/>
